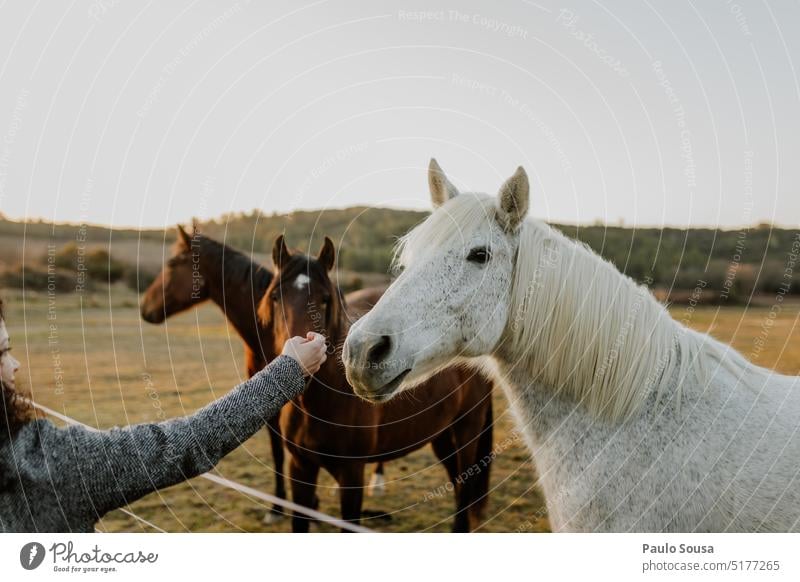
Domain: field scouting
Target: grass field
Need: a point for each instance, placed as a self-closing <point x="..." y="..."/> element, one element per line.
<point x="93" y="359"/>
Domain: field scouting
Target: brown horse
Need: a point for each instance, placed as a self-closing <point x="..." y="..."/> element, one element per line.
<point x="202" y="269"/>
<point x="329" y="427"/>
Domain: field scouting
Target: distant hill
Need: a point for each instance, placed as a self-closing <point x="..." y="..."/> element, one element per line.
<point x="363" y="236"/>
<point x="731" y="263"/>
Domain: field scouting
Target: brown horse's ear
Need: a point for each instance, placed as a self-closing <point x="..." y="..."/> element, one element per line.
<point x="184" y="237"/>
<point x="327" y="254"/>
<point x="280" y="253"/>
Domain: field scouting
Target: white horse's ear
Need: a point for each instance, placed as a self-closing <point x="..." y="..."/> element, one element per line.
<point x="441" y="188"/>
<point x="514" y="200"/>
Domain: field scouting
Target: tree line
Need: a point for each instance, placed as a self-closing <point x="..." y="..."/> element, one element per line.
<point x="730" y="264"/>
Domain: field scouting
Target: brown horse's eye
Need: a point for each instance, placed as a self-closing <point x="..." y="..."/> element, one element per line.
<point x="480" y="255"/>
<point x="177" y="260"/>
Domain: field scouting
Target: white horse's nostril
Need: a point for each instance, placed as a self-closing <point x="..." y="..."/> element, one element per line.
<point x="379" y="350"/>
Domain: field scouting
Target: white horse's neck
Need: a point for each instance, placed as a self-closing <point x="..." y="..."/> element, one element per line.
<point x="671" y="467"/>
<point x="579" y="327"/>
<point x="635" y="422"/>
<point x="570" y="447"/>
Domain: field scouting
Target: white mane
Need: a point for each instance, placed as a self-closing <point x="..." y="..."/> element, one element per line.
<point x="590" y="331"/>
<point x="574" y="321"/>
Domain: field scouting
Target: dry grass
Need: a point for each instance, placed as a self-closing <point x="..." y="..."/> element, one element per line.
<point x="107" y="355"/>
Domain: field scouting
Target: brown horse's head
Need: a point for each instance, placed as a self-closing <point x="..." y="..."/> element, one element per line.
<point x="301" y="296"/>
<point x="180" y="284"/>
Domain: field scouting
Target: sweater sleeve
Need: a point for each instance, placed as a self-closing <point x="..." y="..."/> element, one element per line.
<point x="98" y="471"/>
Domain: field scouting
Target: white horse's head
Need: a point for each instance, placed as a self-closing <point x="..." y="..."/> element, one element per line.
<point x="451" y="301"/>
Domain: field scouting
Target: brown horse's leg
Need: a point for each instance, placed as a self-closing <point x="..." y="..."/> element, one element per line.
<point x="303" y="475"/>
<point x="350" y="476"/>
<point x="466" y="433"/>
<point x="446" y="448"/>
<point x="276" y="444"/>
<point x="484" y="458"/>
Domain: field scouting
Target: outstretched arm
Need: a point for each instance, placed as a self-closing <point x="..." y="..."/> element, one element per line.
<point x="97" y="471"/>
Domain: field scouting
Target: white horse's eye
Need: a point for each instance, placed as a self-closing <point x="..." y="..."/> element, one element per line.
<point x="480" y="255"/>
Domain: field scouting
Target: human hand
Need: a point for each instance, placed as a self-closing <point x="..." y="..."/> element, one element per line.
<point x="308" y="351"/>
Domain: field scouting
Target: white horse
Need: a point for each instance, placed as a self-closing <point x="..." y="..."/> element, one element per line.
<point x="635" y="422"/>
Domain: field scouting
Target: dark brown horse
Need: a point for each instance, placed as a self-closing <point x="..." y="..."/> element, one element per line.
<point x="329" y="427"/>
<point x="202" y="269"/>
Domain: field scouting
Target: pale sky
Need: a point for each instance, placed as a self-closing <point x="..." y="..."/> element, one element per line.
<point x="652" y="113"/>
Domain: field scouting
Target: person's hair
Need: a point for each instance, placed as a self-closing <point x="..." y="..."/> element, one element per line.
<point x="14" y="410"/>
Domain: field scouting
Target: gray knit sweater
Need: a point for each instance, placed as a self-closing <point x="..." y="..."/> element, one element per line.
<point x="64" y="479"/>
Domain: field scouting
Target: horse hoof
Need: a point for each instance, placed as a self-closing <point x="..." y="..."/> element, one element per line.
<point x="272" y="517"/>
<point x="377" y="485"/>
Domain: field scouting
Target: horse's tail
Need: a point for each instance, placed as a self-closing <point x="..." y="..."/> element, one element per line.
<point x="484" y="458"/>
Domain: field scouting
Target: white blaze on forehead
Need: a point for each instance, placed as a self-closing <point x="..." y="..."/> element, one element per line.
<point x="302" y="281"/>
<point x="3" y="335"/>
